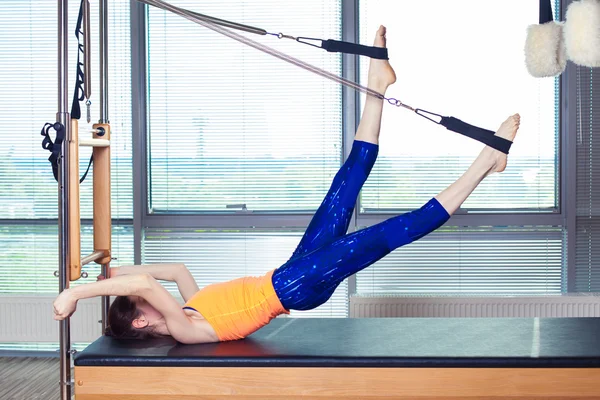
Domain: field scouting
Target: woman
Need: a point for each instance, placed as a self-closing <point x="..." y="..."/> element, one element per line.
<point x="325" y="256"/>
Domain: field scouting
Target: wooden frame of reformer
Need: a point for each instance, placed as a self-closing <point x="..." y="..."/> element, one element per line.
<point x="175" y="383"/>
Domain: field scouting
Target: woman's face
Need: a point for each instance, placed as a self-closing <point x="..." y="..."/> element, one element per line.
<point x="150" y="316"/>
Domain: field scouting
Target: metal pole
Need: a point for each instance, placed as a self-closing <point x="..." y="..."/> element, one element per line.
<point x="103" y="9"/>
<point x="105" y="300"/>
<point x="139" y="106"/>
<point x="63" y="189"/>
<point x="92" y="257"/>
<point x="103" y="31"/>
<point x="350" y="103"/>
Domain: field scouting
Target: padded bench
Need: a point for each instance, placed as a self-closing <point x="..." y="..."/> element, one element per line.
<point x="366" y="358"/>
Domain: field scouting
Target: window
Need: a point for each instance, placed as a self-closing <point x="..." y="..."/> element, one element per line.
<point x="231" y="129"/>
<point x="460" y="59"/>
<point x="28" y="191"/>
<point x="587" y="277"/>
<point x="218" y="255"/>
<point x="474" y="261"/>
<point x="31" y="254"/>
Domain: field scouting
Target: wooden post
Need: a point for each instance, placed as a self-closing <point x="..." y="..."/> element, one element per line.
<point x="102" y="211"/>
<point x="74" y="207"/>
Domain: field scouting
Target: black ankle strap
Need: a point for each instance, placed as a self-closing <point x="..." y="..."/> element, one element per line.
<point x="479" y="134"/>
<point x="336" y="46"/>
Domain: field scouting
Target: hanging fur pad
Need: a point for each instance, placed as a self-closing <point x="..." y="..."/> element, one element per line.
<point x="545" y="53"/>
<point x="582" y="33"/>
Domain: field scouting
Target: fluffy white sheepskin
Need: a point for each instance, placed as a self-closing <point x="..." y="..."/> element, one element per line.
<point x="582" y="33"/>
<point x="545" y="53"/>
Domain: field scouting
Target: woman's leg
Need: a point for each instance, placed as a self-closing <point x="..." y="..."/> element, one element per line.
<point x="309" y="280"/>
<point x="332" y="218"/>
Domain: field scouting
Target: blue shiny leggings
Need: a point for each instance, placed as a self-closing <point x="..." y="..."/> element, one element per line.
<point x="327" y="255"/>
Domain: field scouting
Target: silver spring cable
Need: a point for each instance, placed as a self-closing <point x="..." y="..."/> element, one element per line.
<point x="206" y="22"/>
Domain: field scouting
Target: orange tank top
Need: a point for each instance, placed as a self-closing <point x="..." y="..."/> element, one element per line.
<point x="239" y="307"/>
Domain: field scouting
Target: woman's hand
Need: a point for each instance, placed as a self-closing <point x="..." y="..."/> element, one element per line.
<point x="64" y="305"/>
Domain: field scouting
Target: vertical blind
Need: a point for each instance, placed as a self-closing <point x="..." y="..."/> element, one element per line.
<point x="587" y="253"/>
<point x="214" y="256"/>
<point x="230" y="126"/>
<point x="28" y="191"/>
<point x="459" y="58"/>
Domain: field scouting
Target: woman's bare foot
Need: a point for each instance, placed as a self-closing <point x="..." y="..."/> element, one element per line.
<point x="508" y="130"/>
<point x="381" y="73"/>
<point x="488" y="162"/>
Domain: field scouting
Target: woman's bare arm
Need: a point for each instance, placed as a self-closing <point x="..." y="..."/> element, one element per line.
<point x="177" y="273"/>
<point x="179" y="324"/>
<point x="145" y="286"/>
<point x="126" y="285"/>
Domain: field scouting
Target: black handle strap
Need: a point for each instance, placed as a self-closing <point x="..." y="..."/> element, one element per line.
<point x="54" y="147"/>
<point x="482" y="135"/>
<point x="336" y="46"/>
<point x="546" y="11"/>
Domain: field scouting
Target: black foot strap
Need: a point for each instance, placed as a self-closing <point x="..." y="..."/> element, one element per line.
<point x="456" y="125"/>
<point x="479" y="134"/>
<point x="335" y="46"/>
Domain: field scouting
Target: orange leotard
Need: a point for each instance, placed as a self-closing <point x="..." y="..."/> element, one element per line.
<point x="239" y="307"/>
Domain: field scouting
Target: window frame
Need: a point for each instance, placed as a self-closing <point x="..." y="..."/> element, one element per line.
<point x="143" y="218"/>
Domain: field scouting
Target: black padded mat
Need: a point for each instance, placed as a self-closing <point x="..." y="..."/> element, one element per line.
<point x="375" y="342"/>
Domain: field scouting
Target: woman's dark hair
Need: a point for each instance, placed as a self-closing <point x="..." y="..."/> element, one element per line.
<point x="121" y="314"/>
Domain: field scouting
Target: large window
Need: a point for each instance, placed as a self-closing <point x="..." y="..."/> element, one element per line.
<point x="28" y="99"/>
<point x="587" y="196"/>
<point x="231" y="127"/>
<point x="235" y="132"/>
<point x="459" y="58"/>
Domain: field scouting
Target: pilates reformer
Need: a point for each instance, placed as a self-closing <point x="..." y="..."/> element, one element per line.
<point x="298" y="358"/>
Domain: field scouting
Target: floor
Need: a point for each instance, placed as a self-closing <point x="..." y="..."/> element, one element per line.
<point x="27" y="378"/>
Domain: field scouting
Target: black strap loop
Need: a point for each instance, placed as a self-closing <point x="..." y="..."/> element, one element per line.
<point x="53" y="147"/>
<point x="482" y="135"/>
<point x="88" y="169"/>
<point x="456" y="125"/>
<point x="546" y="11"/>
<point x="79" y="93"/>
<point x="336" y="46"/>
